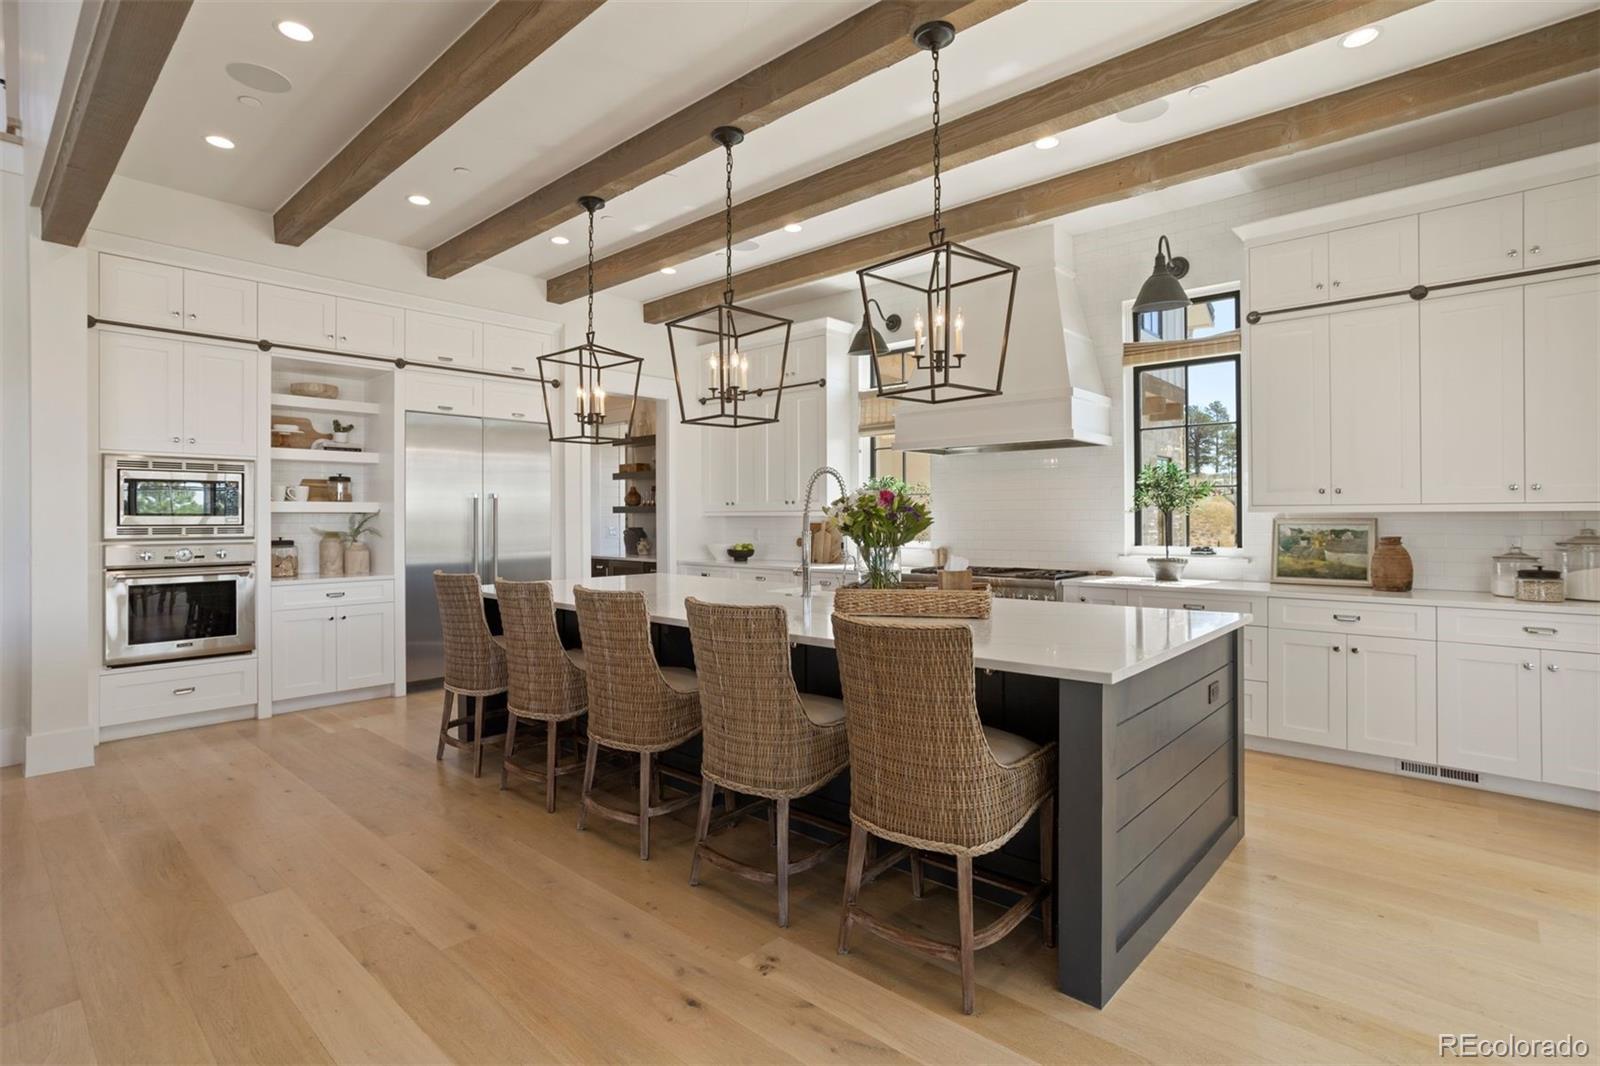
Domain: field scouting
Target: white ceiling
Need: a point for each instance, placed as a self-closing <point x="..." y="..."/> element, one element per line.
<point x="636" y="61"/>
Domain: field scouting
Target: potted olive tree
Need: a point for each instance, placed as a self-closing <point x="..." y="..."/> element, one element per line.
<point x="1168" y="488"/>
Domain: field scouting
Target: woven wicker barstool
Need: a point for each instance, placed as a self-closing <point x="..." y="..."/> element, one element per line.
<point x="546" y="680"/>
<point x="927" y="774"/>
<point x="634" y="704"/>
<point x="474" y="662"/>
<point x="762" y="736"/>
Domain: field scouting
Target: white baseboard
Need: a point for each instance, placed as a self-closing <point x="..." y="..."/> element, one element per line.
<point x="179" y="721"/>
<point x="64" y="749"/>
<point x="11" y="745"/>
<point x="1383" y="764"/>
<point x="331" y="699"/>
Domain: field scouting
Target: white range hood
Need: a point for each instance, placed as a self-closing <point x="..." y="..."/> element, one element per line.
<point x="1053" y="397"/>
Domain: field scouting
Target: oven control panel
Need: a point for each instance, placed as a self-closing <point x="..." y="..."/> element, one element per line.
<point x="231" y="553"/>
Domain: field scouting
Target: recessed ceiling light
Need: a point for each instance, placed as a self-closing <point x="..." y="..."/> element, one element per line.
<point x="1199" y="90"/>
<point x="669" y="270"/>
<point x="560" y="240"/>
<point x="1362" y="37"/>
<point x="295" y="31"/>
<point x="418" y="199"/>
<point x="249" y="101"/>
<point x="793" y="227"/>
<point x="1044" y="144"/>
<point x="255" y="76"/>
<point x="1145" y="112"/>
<point x="217" y="140"/>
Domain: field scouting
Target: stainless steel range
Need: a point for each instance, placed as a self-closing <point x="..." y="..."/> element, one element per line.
<point x="1009" y="582"/>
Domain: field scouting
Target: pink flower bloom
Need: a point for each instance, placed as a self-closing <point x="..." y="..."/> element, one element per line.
<point x="885" y="498"/>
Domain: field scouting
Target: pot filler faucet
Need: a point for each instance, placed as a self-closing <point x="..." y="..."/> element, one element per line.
<point x="805" y="524"/>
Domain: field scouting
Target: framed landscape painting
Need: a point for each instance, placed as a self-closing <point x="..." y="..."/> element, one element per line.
<point x="1323" y="551"/>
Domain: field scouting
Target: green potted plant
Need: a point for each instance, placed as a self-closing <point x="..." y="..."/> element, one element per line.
<point x="881" y="517"/>
<point x="341" y="431"/>
<point x="357" y="555"/>
<point x="1168" y="488"/>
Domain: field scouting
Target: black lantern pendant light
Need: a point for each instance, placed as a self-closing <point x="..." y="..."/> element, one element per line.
<point x="724" y="336"/>
<point x="960" y="298"/>
<point x="1161" y="291"/>
<point x="592" y="367"/>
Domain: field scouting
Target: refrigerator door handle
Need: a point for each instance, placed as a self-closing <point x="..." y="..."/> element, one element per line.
<point x="477" y="540"/>
<point x="494" y="531"/>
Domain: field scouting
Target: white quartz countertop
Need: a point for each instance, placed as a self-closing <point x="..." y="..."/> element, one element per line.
<point x="1071" y="641"/>
<point x="1418" y="597"/>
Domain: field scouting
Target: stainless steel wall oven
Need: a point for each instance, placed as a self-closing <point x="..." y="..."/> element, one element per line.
<point x="166" y="602"/>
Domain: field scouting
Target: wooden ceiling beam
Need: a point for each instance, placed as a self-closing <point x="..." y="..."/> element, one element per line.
<point x="117" y="54"/>
<point x="1230" y="42"/>
<point x="860" y="45"/>
<point x="1545" y="55"/>
<point x="509" y="36"/>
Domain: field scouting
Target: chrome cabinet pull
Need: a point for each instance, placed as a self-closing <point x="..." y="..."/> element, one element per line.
<point x="1338" y="492"/>
<point x="177" y="440"/>
<point x="1552" y="667"/>
<point x="1347" y="618"/>
<point x="1322" y="492"/>
<point x="444" y="407"/>
<point x="333" y="595"/>
<point x="1354" y="650"/>
<point x="518" y="414"/>
<point x="1511" y="253"/>
<point x="520" y="369"/>
<point x="477" y="538"/>
<point x="1536" y="486"/>
<point x="1336" y="284"/>
<point x="1194" y="607"/>
<point x="176" y="314"/>
<point x="1527" y="666"/>
<point x="1513" y="486"/>
<point x="184" y="691"/>
<point x="1319" y="286"/>
<point x="446" y="358"/>
<point x="1535" y="250"/>
<point x="494" y="529"/>
<point x="1336" y="647"/>
<point x="1540" y="631"/>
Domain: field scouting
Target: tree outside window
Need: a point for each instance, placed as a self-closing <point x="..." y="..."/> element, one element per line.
<point x="1188" y="413"/>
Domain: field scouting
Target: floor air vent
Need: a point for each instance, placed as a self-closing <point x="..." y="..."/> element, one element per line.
<point x="1429" y="770"/>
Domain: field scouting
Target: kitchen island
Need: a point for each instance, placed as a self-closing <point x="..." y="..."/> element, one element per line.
<point x="1143" y="704"/>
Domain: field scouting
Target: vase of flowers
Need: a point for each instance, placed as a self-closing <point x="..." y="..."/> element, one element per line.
<point x="880" y="518"/>
<point x="1168" y="488"/>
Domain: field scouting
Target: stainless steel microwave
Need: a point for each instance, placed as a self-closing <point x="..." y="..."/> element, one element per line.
<point x="149" y="497"/>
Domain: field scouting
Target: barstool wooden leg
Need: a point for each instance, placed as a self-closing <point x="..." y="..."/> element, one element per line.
<point x="588" y="784"/>
<point x="477" y="736"/>
<point x="854" y="866"/>
<point x="708" y="791"/>
<point x="916" y="874"/>
<point x="644" y="805"/>
<point x="511" y="742"/>
<point x="782" y="822"/>
<point x="444" y="723"/>
<point x="552" y="748"/>
<point x="1047" y="868"/>
<point x="969" y="994"/>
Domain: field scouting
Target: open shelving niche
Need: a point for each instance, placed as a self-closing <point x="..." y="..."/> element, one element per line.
<point x="367" y="399"/>
<point x="613" y="515"/>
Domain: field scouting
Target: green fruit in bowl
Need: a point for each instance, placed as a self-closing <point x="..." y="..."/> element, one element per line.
<point x="741" y="552"/>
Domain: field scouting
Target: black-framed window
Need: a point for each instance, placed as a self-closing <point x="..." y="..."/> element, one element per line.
<point x="1188" y="413"/>
<point x="1206" y="316"/>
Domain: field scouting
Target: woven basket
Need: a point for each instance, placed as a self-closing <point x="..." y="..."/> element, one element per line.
<point x="915" y="602"/>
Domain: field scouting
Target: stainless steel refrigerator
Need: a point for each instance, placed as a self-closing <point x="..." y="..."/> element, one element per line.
<point x="477" y="498"/>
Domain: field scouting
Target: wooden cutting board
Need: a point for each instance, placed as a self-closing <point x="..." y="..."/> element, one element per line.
<point x="304" y="437"/>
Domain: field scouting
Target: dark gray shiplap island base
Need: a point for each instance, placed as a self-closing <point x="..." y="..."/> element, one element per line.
<point x="1144" y="704"/>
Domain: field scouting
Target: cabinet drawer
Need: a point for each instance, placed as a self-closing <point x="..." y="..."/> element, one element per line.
<point x="1367" y="619"/>
<point x="1201" y="600"/>
<point x="445" y="394"/>
<point x="166" y="693"/>
<point x="316" y="594"/>
<point x="515" y="403"/>
<point x="1520" y="629"/>
<point x="1253" y="646"/>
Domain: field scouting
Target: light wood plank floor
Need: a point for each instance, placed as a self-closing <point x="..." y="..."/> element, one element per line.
<point x="316" y="888"/>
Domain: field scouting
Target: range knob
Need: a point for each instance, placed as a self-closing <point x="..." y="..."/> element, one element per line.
<point x="183" y="555"/>
<point x="145" y="557"/>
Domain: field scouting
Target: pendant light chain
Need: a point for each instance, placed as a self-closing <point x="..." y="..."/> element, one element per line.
<point x="727" y="291"/>
<point x="591" y="275"/>
<point x="938" y="185"/>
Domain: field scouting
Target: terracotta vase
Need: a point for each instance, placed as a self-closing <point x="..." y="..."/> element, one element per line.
<point x="357" y="559"/>
<point x="633" y="499"/>
<point x="1391" y="566"/>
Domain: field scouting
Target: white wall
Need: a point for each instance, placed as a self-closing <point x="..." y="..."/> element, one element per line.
<point x="1069" y="507"/>
<point x="15" y="645"/>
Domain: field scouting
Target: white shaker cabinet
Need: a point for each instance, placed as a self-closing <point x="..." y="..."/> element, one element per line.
<point x="512" y="402"/>
<point x="370" y="329"/>
<point x="1373" y="381"/>
<point x="512" y="351"/>
<point x="132" y="290"/>
<point x="1569" y="696"/>
<point x="1289" y="273"/>
<point x="1378" y="257"/>
<point x="141" y="393"/>
<point x="305" y="653"/>
<point x="1289" y="408"/>
<point x="219" y="400"/>
<point x="1475" y="240"/>
<point x="296" y="316"/>
<point x="1489" y="709"/>
<point x="443" y="393"/>
<point x="1306" y="695"/>
<point x="1561" y="223"/>
<point x="1561" y="366"/>
<point x="441" y="339"/>
<point x="216" y="303"/>
<point x="1253" y="708"/>
<point x="1391" y="699"/>
<point x="1472" y="404"/>
<point x="365" y="645"/>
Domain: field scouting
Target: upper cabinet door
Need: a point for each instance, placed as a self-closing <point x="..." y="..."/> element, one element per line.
<point x="441" y="339"/>
<point x="1562" y="373"/>
<point x="1489" y="709"/>
<point x="370" y="329"/>
<point x="1393" y="703"/>
<point x="295" y="316"/>
<point x="1289" y="443"/>
<point x="1472" y="418"/>
<point x="132" y="290"/>
<point x="1289" y="273"/>
<point x="1570" y="718"/>
<point x="1373" y="383"/>
<point x="141" y="393"/>
<point x="219" y="400"/>
<point x="1561" y="223"/>
<point x="1380" y="257"/>
<point x="513" y="351"/>
<point x="215" y="303"/>
<point x="1475" y="240"/>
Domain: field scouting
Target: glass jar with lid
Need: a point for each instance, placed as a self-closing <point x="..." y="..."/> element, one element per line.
<point x="1540" y="585"/>
<point x="1506" y="565"/>
<point x="1579" y="559"/>
<point x="285" y="558"/>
